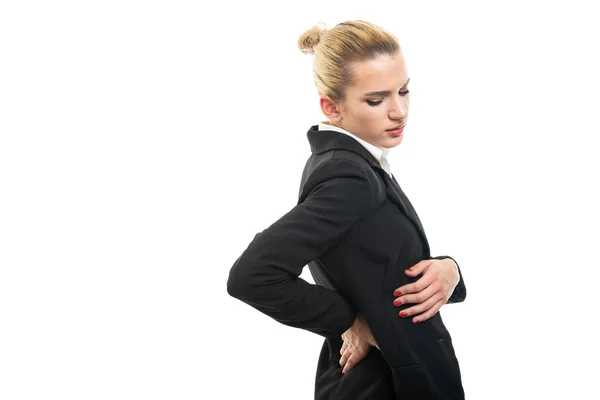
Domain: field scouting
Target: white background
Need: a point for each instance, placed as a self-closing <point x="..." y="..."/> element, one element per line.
<point x="143" y="144"/>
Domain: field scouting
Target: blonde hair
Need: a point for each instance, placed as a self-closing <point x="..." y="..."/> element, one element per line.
<point x="334" y="50"/>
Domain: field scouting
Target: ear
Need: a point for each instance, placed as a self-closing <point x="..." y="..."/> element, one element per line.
<point x="331" y="110"/>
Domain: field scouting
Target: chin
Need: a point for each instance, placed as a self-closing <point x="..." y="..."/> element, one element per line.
<point x="390" y="143"/>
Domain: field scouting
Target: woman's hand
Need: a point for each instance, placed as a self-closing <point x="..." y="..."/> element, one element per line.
<point x="431" y="291"/>
<point x="357" y="343"/>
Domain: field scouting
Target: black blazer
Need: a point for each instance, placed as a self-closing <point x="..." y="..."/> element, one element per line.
<point x="358" y="233"/>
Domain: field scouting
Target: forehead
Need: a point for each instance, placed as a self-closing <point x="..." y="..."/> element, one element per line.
<point x="385" y="72"/>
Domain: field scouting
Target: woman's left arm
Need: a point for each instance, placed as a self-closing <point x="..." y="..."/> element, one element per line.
<point x="441" y="282"/>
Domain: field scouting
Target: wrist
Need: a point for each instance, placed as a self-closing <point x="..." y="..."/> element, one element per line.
<point x="453" y="266"/>
<point x="452" y="263"/>
<point x="366" y="331"/>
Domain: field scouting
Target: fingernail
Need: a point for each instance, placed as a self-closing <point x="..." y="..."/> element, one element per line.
<point x="397" y="302"/>
<point x="416" y="321"/>
<point x="409" y="269"/>
<point x="403" y="314"/>
<point x="343" y="372"/>
<point x="397" y="293"/>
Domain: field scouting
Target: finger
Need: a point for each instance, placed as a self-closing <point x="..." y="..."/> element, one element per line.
<point x="418" y="268"/>
<point x="429" y="313"/>
<point x="417" y="286"/>
<point x="344" y="347"/>
<point x="421" y="307"/>
<point x="354" y="359"/>
<point x="349" y="364"/>
<point x="421" y="295"/>
<point x="345" y="357"/>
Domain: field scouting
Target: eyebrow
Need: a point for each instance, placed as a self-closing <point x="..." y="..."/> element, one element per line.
<point x="384" y="92"/>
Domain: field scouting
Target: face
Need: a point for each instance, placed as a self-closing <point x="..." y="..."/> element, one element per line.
<point x="376" y="103"/>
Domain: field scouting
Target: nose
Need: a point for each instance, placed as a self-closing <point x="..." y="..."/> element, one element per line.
<point x="399" y="109"/>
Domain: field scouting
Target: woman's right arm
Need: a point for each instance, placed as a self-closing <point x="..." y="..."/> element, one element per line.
<point x="266" y="275"/>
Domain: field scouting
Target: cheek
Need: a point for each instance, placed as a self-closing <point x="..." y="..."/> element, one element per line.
<point x="375" y="115"/>
<point x="371" y="119"/>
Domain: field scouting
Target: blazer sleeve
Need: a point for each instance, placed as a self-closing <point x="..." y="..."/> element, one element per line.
<point x="266" y="275"/>
<point x="460" y="291"/>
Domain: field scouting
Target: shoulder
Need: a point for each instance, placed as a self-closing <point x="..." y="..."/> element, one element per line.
<point x="341" y="173"/>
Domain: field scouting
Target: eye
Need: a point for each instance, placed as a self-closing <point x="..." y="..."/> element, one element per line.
<point x="378" y="102"/>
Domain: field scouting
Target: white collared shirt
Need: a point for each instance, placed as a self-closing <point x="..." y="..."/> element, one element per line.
<point x="377" y="152"/>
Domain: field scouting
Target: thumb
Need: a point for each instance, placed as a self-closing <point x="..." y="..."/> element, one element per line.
<point x="418" y="268"/>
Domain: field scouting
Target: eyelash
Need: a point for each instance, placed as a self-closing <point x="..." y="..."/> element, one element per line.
<point x="376" y="103"/>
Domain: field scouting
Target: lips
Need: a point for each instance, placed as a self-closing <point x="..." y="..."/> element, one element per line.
<point x="396" y="128"/>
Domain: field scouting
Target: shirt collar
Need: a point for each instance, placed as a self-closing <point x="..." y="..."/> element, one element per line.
<point x="377" y="152"/>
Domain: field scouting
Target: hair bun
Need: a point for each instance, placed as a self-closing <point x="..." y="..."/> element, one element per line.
<point x="311" y="38"/>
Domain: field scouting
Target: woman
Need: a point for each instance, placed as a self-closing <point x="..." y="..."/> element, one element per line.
<point x="359" y="234"/>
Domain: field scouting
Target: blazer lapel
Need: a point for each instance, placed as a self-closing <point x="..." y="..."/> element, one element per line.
<point x="397" y="196"/>
<point x="411" y="214"/>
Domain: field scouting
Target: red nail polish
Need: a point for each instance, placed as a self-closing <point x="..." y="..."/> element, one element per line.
<point x="416" y="321"/>
<point x="403" y="314"/>
<point x="343" y="372"/>
<point x="397" y="293"/>
<point x="397" y="302"/>
<point x="409" y="270"/>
